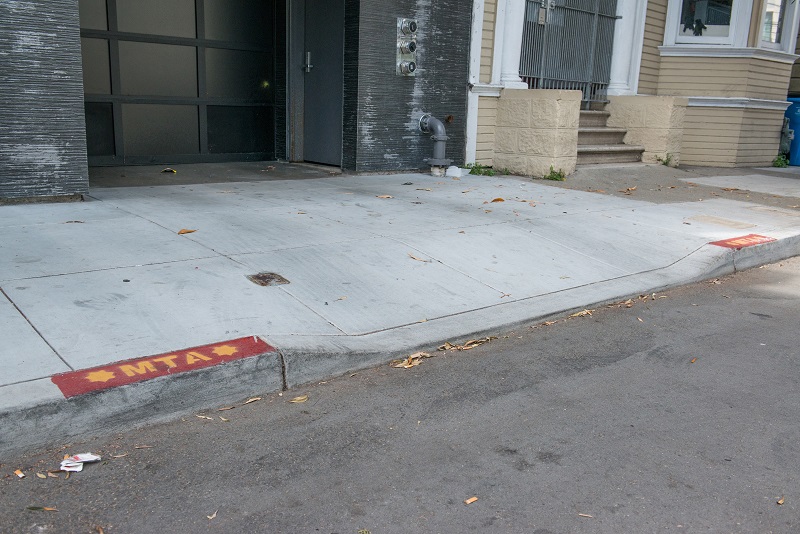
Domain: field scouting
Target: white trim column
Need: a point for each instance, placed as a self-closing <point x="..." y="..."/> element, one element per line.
<point x="626" y="58"/>
<point x="476" y="39"/>
<point x="513" y="26"/>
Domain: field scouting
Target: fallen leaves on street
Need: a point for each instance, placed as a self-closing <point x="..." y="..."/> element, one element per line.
<point x="471" y="500"/>
<point x="42" y="509"/>
<point x="586" y="515"/>
<point x="212" y="516"/>
<point x="411" y="361"/>
<point x="410" y="255"/>
<point x="252" y="399"/>
<point x="299" y="399"/>
<point x="384" y="196"/>
<point x="183" y="231"/>
<point x="781" y="501"/>
<point x="628" y="191"/>
<point x="584" y="313"/>
<point x="471" y="344"/>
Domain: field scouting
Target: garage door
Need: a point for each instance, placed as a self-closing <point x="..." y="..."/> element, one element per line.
<point x="179" y="81"/>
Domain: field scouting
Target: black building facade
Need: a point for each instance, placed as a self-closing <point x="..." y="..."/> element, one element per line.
<point x="128" y="82"/>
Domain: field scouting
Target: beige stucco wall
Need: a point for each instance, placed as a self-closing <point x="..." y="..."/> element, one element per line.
<point x="537" y="129"/>
<point x="654" y="122"/>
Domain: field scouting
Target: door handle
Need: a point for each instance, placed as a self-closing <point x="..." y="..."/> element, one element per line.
<point x="308" y="66"/>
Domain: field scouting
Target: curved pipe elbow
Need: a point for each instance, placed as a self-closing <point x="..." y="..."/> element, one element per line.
<point x="432" y="125"/>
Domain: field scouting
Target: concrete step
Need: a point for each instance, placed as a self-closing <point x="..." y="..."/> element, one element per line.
<point x="593" y="119"/>
<point x="593" y="154"/>
<point x="601" y="136"/>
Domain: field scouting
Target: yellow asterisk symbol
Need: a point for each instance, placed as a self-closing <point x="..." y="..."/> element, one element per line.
<point x="225" y="350"/>
<point x="99" y="376"/>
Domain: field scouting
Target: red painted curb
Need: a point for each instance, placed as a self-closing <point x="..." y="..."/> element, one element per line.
<point x="125" y="372"/>
<point x="744" y="241"/>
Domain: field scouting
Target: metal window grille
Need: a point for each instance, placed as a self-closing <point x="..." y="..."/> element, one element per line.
<point x="567" y="44"/>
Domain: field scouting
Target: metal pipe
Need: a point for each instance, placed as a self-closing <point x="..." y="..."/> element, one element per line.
<point x="430" y="124"/>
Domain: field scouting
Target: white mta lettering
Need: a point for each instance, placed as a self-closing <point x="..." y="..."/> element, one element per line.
<point x="194" y="357"/>
<point x="139" y="369"/>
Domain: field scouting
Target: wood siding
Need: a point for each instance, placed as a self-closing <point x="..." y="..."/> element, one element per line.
<point x="725" y="77"/>
<point x="487" y="119"/>
<point x="655" y="20"/>
<point x="730" y="137"/>
<point x="487" y="40"/>
<point x="794" y="83"/>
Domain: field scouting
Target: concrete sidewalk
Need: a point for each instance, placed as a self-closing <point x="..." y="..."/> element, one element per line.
<point x="378" y="267"/>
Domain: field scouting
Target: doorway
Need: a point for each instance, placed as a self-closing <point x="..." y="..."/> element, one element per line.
<point x="316" y="80"/>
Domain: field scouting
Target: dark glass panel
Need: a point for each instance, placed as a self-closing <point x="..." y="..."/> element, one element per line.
<point x="175" y="18"/>
<point x="96" y="66"/>
<point x="99" y="128"/>
<point x="240" y="129"/>
<point x="157" y="129"/>
<point x="248" y="21"/>
<point x="239" y="74"/>
<point x="157" y="69"/>
<point x="93" y="14"/>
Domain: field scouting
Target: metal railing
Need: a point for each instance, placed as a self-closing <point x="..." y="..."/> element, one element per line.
<point x="567" y="44"/>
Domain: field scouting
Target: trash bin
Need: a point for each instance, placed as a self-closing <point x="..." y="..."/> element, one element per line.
<point x="793" y="114"/>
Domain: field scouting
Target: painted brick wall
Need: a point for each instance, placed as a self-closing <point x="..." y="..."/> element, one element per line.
<point x="42" y="130"/>
<point x="388" y="106"/>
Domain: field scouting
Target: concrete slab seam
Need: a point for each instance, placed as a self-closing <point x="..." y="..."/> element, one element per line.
<point x="38" y="333"/>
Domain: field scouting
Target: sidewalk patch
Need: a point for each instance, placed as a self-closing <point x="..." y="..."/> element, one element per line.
<point x="744" y="241"/>
<point x="139" y="369"/>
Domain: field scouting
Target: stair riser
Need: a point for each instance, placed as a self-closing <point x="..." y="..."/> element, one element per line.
<point x="600" y="138"/>
<point x="592" y="120"/>
<point x="610" y="157"/>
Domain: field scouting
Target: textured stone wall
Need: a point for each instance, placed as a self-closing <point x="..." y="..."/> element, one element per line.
<point x="537" y="129"/>
<point x="42" y="130"/>
<point x="654" y="122"/>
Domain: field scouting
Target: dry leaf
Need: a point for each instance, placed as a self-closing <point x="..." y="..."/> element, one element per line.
<point x="301" y="398"/>
<point x="693" y="360"/>
<point x="532" y="204"/>
<point x="41" y="475"/>
<point x="340" y="298"/>
<point x="51" y="474"/>
<point x="99" y="530"/>
<point x="223" y="419"/>
<point x="471" y="500"/>
<point x="548" y="323"/>
<point x="411" y="361"/>
<point x="19" y="473"/>
<point x="640" y="319"/>
<point x="384" y="196"/>
<point x="410" y="255"/>
<point x="204" y="417"/>
<point x="586" y="515"/>
<point x="225" y="408"/>
<point x="301" y="213"/>
<point x="584" y="313"/>
<point x="781" y="501"/>
<point x="185" y="231"/>
<point x="212" y="516"/>
<point x="119" y="455"/>
<point x="142" y="447"/>
<point x="730" y="189"/>
<point x="498" y="199"/>
<point x="628" y="191"/>
<point x="471" y="344"/>
<point x="254" y="399"/>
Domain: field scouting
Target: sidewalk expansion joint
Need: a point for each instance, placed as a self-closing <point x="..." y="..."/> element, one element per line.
<point x="35" y="329"/>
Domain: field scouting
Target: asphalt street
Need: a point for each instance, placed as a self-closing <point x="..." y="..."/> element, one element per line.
<point x="672" y="412"/>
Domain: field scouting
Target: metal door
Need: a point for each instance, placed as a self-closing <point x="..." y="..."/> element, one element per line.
<point x="567" y="44"/>
<point x="323" y="81"/>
